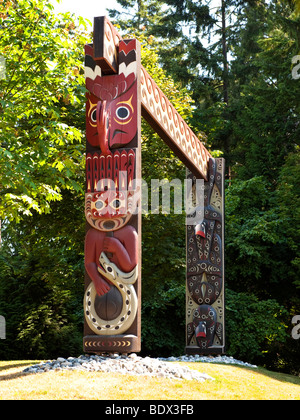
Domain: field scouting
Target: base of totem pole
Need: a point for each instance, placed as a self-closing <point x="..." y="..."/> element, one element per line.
<point x="192" y="350"/>
<point x="126" y="343"/>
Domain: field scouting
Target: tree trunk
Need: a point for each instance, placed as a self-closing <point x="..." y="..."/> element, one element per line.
<point x="224" y="52"/>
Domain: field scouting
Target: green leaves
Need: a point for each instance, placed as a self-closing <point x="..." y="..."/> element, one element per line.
<point x="41" y="281"/>
<point x="41" y="106"/>
<point x="254" y="326"/>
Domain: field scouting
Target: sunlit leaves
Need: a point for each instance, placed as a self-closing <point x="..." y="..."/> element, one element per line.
<point x="42" y="100"/>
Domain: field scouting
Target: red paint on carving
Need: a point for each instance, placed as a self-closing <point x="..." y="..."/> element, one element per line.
<point x="122" y="248"/>
<point x="127" y="46"/>
<point x="111" y="111"/>
<point x="102" y="117"/>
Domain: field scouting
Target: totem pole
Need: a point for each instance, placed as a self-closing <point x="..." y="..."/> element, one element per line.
<point x="205" y="267"/>
<point x="112" y="254"/>
<point x="119" y="91"/>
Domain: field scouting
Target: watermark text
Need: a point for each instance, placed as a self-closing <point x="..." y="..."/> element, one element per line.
<point x="2" y="328"/>
<point x="296" y="329"/>
<point x="2" y="68"/>
<point x="161" y="196"/>
<point x="296" y="68"/>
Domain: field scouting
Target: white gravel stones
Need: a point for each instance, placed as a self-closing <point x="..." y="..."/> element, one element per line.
<point x="208" y="359"/>
<point x="134" y="365"/>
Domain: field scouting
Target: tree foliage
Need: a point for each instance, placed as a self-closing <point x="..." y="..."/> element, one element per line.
<point x="42" y="97"/>
<point x="41" y="102"/>
<point x="41" y="282"/>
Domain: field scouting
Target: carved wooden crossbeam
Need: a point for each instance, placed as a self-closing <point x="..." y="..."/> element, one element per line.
<point x="156" y="108"/>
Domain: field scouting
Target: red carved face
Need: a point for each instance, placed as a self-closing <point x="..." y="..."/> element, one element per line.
<point x="109" y="204"/>
<point x="111" y="122"/>
<point x="91" y="120"/>
<point x="110" y="210"/>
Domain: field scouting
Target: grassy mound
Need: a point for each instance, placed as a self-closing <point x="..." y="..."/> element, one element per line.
<point x="231" y="383"/>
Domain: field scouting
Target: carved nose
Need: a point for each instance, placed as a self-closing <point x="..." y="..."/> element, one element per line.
<point x="102" y="126"/>
<point x="201" y="329"/>
<point x="200" y="230"/>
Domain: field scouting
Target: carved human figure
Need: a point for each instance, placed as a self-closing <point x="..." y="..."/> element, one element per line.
<point x="111" y="261"/>
<point x="121" y="250"/>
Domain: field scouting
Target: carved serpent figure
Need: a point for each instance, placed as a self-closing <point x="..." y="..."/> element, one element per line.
<point x="124" y="283"/>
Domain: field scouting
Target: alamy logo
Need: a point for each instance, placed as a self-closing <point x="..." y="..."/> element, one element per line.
<point x="2" y="67"/>
<point x="296" y="329"/>
<point x="2" y="328"/>
<point x="183" y="198"/>
<point x="296" y="69"/>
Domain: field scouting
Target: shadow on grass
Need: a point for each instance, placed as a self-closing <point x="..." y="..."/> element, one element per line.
<point x="281" y="377"/>
<point x="260" y="371"/>
<point x="13" y="366"/>
<point x="278" y="376"/>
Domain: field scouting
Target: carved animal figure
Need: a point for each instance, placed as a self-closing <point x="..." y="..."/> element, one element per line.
<point x="111" y="109"/>
<point x="204" y="326"/>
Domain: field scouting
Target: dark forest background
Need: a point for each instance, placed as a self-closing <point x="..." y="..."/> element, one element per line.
<point x="231" y="68"/>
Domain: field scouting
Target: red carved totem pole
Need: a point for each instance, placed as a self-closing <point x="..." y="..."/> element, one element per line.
<point x="112" y="293"/>
<point x="119" y="91"/>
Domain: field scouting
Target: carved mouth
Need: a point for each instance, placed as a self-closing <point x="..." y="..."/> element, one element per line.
<point x="109" y="224"/>
<point x="104" y="271"/>
<point x="101" y="269"/>
<point x="118" y="132"/>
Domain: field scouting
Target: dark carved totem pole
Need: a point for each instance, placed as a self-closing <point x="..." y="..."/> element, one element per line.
<point x="119" y="91"/>
<point x="205" y="267"/>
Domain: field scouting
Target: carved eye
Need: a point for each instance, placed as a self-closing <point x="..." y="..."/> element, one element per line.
<point x="94" y="115"/>
<point x="122" y="112"/>
<point x="116" y="204"/>
<point x="99" y="204"/>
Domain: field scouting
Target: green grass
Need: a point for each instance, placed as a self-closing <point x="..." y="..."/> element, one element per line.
<point x="231" y="383"/>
